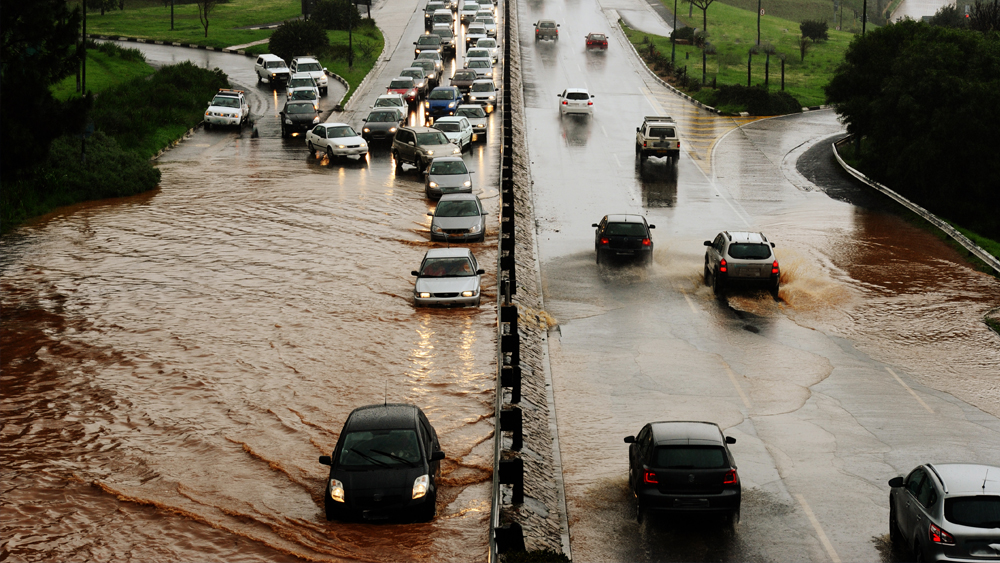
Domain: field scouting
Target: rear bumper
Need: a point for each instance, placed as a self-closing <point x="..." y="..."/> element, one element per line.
<point x="661" y="152"/>
<point x="730" y="281"/>
<point x="726" y="501"/>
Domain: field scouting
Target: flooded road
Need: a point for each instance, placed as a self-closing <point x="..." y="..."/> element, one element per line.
<point x="874" y="359"/>
<point x="175" y="363"/>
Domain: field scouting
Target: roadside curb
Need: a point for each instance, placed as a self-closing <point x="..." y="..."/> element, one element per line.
<point x="946" y="228"/>
<point x="376" y="68"/>
<point x="187" y="135"/>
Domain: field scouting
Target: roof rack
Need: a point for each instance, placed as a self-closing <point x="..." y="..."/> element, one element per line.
<point x="230" y="91"/>
<point x="658" y="118"/>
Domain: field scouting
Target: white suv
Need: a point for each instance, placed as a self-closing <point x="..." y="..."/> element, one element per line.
<point x="227" y="108"/>
<point x="313" y="68"/>
<point x="271" y="68"/>
<point x="740" y="257"/>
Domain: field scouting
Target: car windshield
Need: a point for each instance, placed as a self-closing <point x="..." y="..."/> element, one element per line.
<point x="426" y="65"/>
<point x="442" y="95"/>
<point x="429" y="40"/>
<point x="466" y="208"/>
<point x="480" y="64"/>
<point x="225" y="102"/>
<point x="471" y="112"/>
<point x="342" y="131"/>
<point x="483" y="87"/>
<point x="382" y="117"/>
<point x="442" y="18"/>
<point x="301" y="82"/>
<point x="388" y="103"/>
<point x="976" y="512"/>
<point x="299" y="108"/>
<point x="304" y="95"/>
<point x="486" y="20"/>
<point x="447" y="268"/>
<point x="626" y="229"/>
<point x="308" y="67"/>
<point x="477" y="28"/>
<point x="435" y="138"/>
<point x="465" y="75"/>
<point x="577" y="96"/>
<point x="448" y="127"/>
<point x="446" y="167"/>
<point x="750" y="251"/>
<point x="401" y="84"/>
<point x="690" y="457"/>
<point x="661" y="131"/>
<point x="374" y="448"/>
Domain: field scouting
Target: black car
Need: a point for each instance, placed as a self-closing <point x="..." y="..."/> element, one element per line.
<point x="298" y="116"/>
<point x="386" y="465"/>
<point x="623" y="236"/>
<point x="381" y="124"/>
<point x="683" y="468"/>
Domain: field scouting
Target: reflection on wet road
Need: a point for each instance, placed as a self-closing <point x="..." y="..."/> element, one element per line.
<point x="175" y="363"/>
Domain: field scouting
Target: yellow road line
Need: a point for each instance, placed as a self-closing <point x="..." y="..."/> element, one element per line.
<point x="912" y="392"/>
<point x="819" y="529"/>
<point x="732" y="377"/>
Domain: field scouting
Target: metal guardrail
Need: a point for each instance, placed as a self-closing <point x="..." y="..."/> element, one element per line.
<point x="972" y="247"/>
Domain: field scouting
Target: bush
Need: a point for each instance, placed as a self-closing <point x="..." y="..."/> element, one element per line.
<point x="683" y="33"/>
<point x="298" y="37"/>
<point x="756" y="100"/>
<point x="109" y="171"/>
<point x="815" y="30"/>
<point x="336" y="14"/>
<point x="948" y="16"/>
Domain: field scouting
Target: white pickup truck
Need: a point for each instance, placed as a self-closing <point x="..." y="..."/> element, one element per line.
<point x="657" y="137"/>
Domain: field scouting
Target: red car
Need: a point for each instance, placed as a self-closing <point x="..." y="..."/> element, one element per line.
<point x="597" y="41"/>
<point x="404" y="86"/>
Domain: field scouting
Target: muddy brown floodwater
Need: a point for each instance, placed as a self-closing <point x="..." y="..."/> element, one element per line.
<point x="174" y="363"/>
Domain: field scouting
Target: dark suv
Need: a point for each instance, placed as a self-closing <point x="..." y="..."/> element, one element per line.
<point x="386" y="465"/>
<point x="298" y="116"/>
<point x="684" y="467"/>
<point x="546" y="29"/>
<point x="623" y="236"/>
<point x="741" y="258"/>
<point x="420" y="145"/>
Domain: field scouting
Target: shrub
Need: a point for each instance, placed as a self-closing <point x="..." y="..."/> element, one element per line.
<point x="815" y="30"/>
<point x="683" y="33"/>
<point x="948" y="16"/>
<point x="298" y="37"/>
<point x="756" y="100"/>
<point x="109" y="171"/>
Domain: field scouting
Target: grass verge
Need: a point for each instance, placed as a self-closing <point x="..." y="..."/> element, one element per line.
<point x="733" y="32"/>
<point x="153" y="21"/>
<point x="103" y="71"/>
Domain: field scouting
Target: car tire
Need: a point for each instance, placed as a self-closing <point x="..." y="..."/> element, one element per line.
<point x="421" y="166"/>
<point x="329" y="153"/>
<point x="208" y="126"/>
<point x="718" y="287"/>
<point x="312" y="149"/>
<point x="284" y="132"/>
<point x="706" y="276"/>
<point x="774" y="290"/>
<point x="649" y="259"/>
<point x="399" y="163"/>
<point x="918" y="553"/>
<point x="324" y="91"/>
<point x="259" y="80"/>
<point x="733" y="520"/>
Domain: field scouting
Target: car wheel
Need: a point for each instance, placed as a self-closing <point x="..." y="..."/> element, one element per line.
<point x="717" y="285"/>
<point x="208" y="126"/>
<point x="399" y="163"/>
<point x="733" y="519"/>
<point x="329" y="153"/>
<point x="774" y="290"/>
<point x="420" y="166"/>
<point x="643" y="156"/>
<point x="324" y="91"/>
<point x="312" y="149"/>
<point x="284" y="132"/>
<point x="918" y="553"/>
<point x="894" y="535"/>
<point x="706" y="275"/>
<point x="259" y="79"/>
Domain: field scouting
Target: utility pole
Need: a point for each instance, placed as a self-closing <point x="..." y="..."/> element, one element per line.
<point x="673" y="40"/>
<point x="758" y="22"/>
<point x="171" y="15"/>
<point x="864" y="17"/>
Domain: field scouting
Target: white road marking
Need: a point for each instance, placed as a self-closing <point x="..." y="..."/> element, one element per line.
<point x="732" y="377"/>
<point x="657" y="109"/>
<point x="912" y="392"/>
<point x="616" y="160"/>
<point x="606" y="135"/>
<point x="689" y="302"/>
<point x="819" y="530"/>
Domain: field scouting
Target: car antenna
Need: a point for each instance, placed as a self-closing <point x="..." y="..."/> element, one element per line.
<point x="385" y="396"/>
<point x="986" y="478"/>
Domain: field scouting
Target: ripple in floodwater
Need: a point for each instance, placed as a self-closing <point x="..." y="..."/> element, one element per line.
<point x="174" y="365"/>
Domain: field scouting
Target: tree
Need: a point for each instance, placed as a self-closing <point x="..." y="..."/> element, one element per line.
<point x="205" y="7"/>
<point x="948" y="16"/>
<point x="298" y="37"/>
<point x="815" y="30"/>
<point x="38" y="47"/>
<point x="804" y="44"/>
<point x="336" y="14"/>
<point x="703" y="6"/>
<point x="985" y="16"/>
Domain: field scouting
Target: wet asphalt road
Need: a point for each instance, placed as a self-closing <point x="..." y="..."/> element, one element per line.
<point x="874" y="359"/>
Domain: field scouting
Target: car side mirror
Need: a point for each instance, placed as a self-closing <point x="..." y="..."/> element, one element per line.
<point x="558" y="25"/>
<point x="324" y="69"/>
<point x="365" y="119"/>
<point x="409" y="143"/>
<point x="629" y="439"/>
<point x="730" y="440"/>
<point x="414" y="42"/>
<point x="437" y="456"/>
<point x="707" y="243"/>
<point x="325" y="460"/>
<point x="636" y="129"/>
<point x="414" y="273"/>
<point x="593" y="225"/>
<point x="772" y="245"/>
<point x="480" y="272"/>
<point x="430" y="214"/>
<point x="652" y="226"/>
<point x="896" y="482"/>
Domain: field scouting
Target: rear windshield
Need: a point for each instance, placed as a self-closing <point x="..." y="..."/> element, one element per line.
<point x="304" y="95"/>
<point x="626" y="229"/>
<point x="597" y="37"/>
<point x="546" y="25"/>
<point x="661" y="131"/>
<point x="471" y="112"/>
<point x="577" y="96"/>
<point x="750" y="251"/>
<point x="480" y="63"/>
<point x="466" y="208"/>
<point x="448" y="167"/>
<point x="448" y="127"/>
<point x="299" y="108"/>
<point x="435" y="138"/>
<point x="308" y="67"/>
<point x="429" y="55"/>
<point x="486" y="43"/>
<point x="477" y="53"/>
<point x="690" y="457"/>
<point x="300" y="82"/>
<point x="275" y="64"/>
<point x="401" y="84"/>
<point x="976" y="512"/>
<point x="413" y="73"/>
<point x="441" y="95"/>
<point x="429" y="40"/>
<point x="443" y="18"/>
<point x="380" y="448"/>
<point x="447" y="268"/>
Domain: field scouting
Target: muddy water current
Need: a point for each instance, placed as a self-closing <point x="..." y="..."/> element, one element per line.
<point x="174" y="364"/>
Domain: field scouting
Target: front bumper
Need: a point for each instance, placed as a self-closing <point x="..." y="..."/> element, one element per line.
<point x="349" y="151"/>
<point x="445" y="300"/>
<point x="223" y="121"/>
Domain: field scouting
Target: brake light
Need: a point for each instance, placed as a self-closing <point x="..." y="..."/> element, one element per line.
<point x="644" y="145"/>
<point x="565" y="103"/>
<point x="590" y="103"/>
<point x="646" y="242"/>
<point x="722" y="265"/>
<point x="649" y="478"/>
<point x="604" y="240"/>
<point x="731" y="478"/>
<point x="940" y="536"/>
<point x="774" y="267"/>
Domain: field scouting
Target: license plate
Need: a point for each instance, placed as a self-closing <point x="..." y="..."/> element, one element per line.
<point x="624" y="252"/>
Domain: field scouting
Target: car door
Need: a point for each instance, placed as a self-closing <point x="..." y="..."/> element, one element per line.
<point x="466" y="131"/>
<point x="406" y="148"/>
<point x="637" y="455"/>
<point x="907" y="516"/>
<point x="715" y="252"/>
<point x="600" y="230"/>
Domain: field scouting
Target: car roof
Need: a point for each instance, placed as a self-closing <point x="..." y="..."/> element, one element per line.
<point x="546" y="21"/>
<point x="580" y="90"/>
<point x="410" y="78"/>
<point x="305" y="59"/>
<point x="746" y="237"/>
<point x="963" y="479"/>
<point x="382" y="417"/>
<point x="447" y="159"/>
<point x="329" y="124"/>
<point x="458" y="197"/>
<point x="625" y="218"/>
<point x="413" y="68"/>
<point x="421" y="129"/>
<point x="302" y="75"/>
<point x="686" y="432"/>
<point x="483" y="81"/>
<point x="450" y="118"/>
<point x="457" y="252"/>
<point x="442" y="10"/>
<point x="449" y="88"/>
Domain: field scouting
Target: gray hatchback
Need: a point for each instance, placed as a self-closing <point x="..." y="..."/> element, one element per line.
<point x="458" y="217"/>
<point x="947" y="512"/>
<point x="447" y="175"/>
<point x="419" y="146"/>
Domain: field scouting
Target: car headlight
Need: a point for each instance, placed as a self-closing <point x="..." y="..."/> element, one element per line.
<point x="467" y="184"/>
<point x="429" y="153"/>
<point x="475" y="229"/>
<point x="316" y="119"/>
<point x="208" y="114"/>
<point x="363" y="143"/>
<point x="336" y="490"/>
<point x="367" y="130"/>
<point x="392" y="129"/>
<point x="432" y="185"/>
<point x="481" y="126"/>
<point x="493" y="97"/>
<point x="427" y="104"/>
<point x="457" y="150"/>
<point x="468" y="293"/>
<point x="288" y="121"/>
<point x="341" y="146"/>
<point x="437" y="229"/>
<point x="420" y="485"/>
<point x="424" y="295"/>
<point x="451" y="105"/>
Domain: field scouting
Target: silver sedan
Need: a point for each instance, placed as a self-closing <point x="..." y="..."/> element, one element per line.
<point x="447" y="175"/>
<point x="447" y="276"/>
<point x="459" y="217"/>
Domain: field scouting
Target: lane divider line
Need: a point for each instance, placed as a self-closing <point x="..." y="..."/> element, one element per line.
<point x="912" y="392"/>
<point x="736" y="384"/>
<point x="819" y="530"/>
<point x="688" y="299"/>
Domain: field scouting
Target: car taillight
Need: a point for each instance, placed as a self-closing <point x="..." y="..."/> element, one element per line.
<point x="940" y="536"/>
<point x="649" y="478"/>
<point x="646" y="242"/>
<point x="644" y="145"/>
<point x="722" y="265"/>
<point x="774" y="267"/>
<point x="565" y="103"/>
<point x="590" y="103"/>
<point x="731" y="478"/>
<point x="604" y="240"/>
